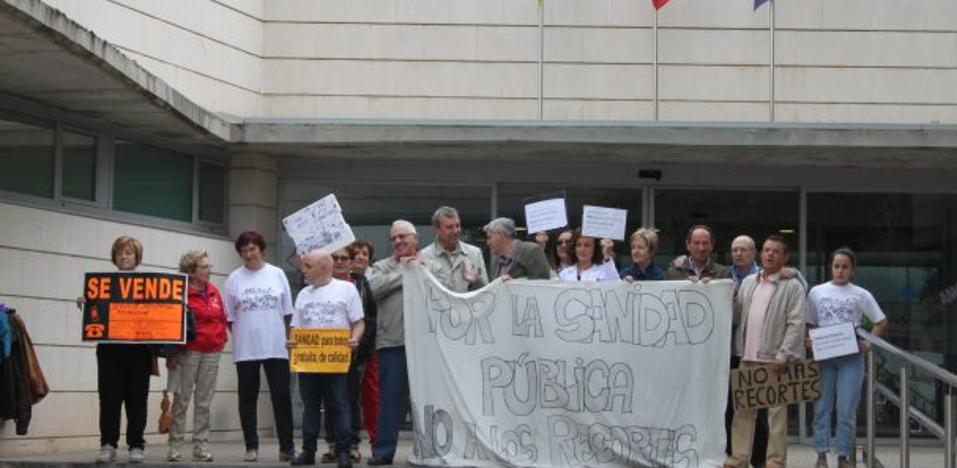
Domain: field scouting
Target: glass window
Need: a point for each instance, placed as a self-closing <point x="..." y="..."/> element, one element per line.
<point x="907" y="258"/>
<point x="79" y="166"/>
<point x="26" y="158"/>
<point x="212" y="190"/>
<point x="153" y="181"/>
<point x="906" y="248"/>
<point x="729" y="213"/>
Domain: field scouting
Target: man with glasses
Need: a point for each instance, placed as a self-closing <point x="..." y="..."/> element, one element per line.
<point x="386" y="283"/>
<point x="461" y="265"/>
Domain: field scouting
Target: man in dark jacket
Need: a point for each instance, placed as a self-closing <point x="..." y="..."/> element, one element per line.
<point x="512" y="258"/>
<point x="698" y="265"/>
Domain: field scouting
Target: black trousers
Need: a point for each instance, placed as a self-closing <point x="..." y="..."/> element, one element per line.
<point x="353" y="378"/>
<point x="759" y="448"/>
<point x="123" y="379"/>
<point x="278" y="378"/>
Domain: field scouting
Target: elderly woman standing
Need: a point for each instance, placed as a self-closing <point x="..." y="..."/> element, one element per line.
<point x="258" y="307"/>
<point x="198" y="363"/>
<point x="123" y="374"/>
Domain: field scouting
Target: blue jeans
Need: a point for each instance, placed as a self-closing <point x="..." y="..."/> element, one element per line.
<point x="841" y="380"/>
<point x="393" y="382"/>
<point x="331" y="388"/>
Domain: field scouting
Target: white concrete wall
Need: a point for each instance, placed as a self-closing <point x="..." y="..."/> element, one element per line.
<point x="209" y="50"/>
<point x="43" y="256"/>
<point x="849" y="61"/>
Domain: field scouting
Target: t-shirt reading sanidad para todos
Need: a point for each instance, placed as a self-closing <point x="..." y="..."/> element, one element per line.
<point x="335" y="305"/>
<point x="256" y="302"/>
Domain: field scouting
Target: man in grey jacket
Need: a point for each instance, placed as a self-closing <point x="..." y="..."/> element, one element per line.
<point x="769" y="314"/>
<point x="461" y="266"/>
<point x="512" y="258"/>
<point x="386" y="284"/>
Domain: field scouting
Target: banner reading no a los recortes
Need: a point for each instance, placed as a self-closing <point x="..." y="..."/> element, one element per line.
<point x="134" y="307"/>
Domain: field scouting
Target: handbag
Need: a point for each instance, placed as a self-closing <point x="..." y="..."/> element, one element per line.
<point x="166" y="416"/>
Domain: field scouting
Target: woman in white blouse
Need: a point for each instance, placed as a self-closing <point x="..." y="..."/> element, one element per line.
<point x="258" y="309"/>
<point x="591" y="262"/>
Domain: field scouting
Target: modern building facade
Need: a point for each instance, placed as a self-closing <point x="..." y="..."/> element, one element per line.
<point x="183" y="123"/>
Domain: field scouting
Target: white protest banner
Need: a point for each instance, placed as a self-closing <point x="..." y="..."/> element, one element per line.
<point x="319" y="225"/>
<point x="600" y="222"/>
<point x="540" y="373"/>
<point x="545" y="214"/>
<point x="833" y="341"/>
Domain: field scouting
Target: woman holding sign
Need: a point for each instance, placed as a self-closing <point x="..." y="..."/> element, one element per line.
<point x="123" y="375"/>
<point x="591" y="264"/>
<point x="198" y="363"/>
<point x="833" y="303"/>
<point x="258" y="308"/>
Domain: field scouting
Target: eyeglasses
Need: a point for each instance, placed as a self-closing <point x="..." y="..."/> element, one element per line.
<point x="341" y="258"/>
<point x="564" y="242"/>
<point x="399" y="236"/>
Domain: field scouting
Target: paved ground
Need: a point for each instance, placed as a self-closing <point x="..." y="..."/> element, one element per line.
<point x="231" y="453"/>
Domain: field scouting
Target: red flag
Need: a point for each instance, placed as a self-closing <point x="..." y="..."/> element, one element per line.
<point x="658" y="3"/>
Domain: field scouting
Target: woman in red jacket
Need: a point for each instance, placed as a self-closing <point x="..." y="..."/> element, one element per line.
<point x="199" y="361"/>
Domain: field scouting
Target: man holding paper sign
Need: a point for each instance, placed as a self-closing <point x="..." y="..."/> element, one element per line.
<point x="326" y="303"/>
<point x="832" y="304"/>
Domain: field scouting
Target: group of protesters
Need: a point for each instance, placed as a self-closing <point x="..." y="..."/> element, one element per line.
<point x="773" y="308"/>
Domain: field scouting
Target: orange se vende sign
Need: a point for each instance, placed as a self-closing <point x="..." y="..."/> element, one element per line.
<point x="131" y="307"/>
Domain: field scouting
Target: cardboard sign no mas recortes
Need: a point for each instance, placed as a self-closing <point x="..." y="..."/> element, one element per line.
<point x="134" y="307"/>
<point x="758" y="387"/>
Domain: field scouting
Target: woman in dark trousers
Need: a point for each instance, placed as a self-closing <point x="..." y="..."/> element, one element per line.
<point x="258" y="309"/>
<point x="123" y="374"/>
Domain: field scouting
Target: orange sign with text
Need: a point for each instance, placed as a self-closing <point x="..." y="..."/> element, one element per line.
<point x="135" y="307"/>
<point x="320" y="350"/>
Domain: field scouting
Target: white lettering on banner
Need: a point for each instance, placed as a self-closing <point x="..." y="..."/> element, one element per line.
<point x="537" y="373"/>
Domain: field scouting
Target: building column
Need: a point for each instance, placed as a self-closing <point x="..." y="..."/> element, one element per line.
<point x="253" y="198"/>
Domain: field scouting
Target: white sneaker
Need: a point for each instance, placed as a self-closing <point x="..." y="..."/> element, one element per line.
<point x="137" y="455"/>
<point x="202" y="454"/>
<point x="173" y="455"/>
<point x="251" y="455"/>
<point x="107" y="454"/>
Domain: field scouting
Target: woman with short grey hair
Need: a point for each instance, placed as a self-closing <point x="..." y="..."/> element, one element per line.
<point x="198" y="363"/>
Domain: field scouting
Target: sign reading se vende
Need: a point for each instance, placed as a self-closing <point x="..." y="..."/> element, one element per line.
<point x="129" y="307"/>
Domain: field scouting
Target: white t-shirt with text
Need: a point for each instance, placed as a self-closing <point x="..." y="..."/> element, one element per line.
<point x="335" y="305"/>
<point x="256" y="303"/>
<point x="830" y="304"/>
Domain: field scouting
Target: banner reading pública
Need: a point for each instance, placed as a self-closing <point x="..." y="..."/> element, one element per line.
<point x="538" y="373"/>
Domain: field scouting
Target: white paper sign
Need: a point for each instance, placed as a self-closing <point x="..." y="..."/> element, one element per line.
<point x="546" y="214"/>
<point x="600" y="222"/>
<point x="319" y="225"/>
<point x="833" y="341"/>
<point x="543" y="374"/>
